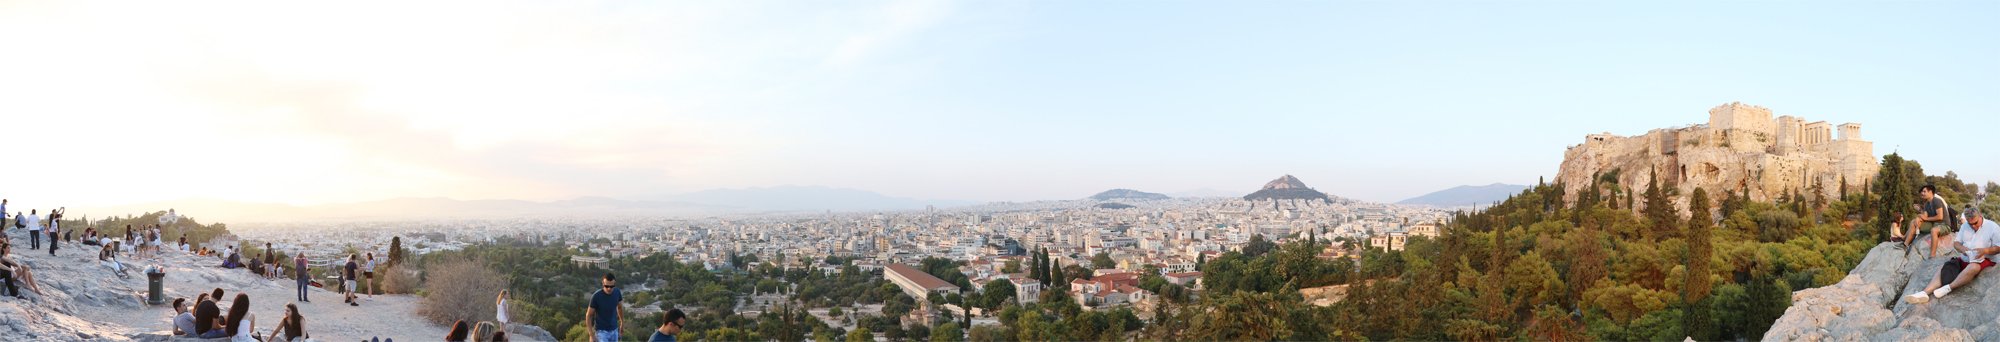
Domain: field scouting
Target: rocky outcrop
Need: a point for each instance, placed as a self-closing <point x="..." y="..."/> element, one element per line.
<point x="1741" y="148"/>
<point x="1868" y="305"/>
<point x="1286" y="187"/>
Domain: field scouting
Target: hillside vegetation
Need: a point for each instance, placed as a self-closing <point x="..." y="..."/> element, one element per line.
<point x="1602" y="268"/>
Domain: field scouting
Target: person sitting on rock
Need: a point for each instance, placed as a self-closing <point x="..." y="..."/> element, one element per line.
<point x="207" y="320"/>
<point x="17" y="272"/>
<point x="242" y="324"/>
<point x="292" y="327"/>
<point x="1977" y="244"/>
<point x="1932" y="215"/>
<point x="183" y="318"/>
<point x="109" y="258"/>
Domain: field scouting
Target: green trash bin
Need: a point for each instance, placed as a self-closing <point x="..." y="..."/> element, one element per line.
<point x="153" y="283"/>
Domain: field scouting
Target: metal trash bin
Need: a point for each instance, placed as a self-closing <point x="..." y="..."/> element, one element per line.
<point x="153" y="284"/>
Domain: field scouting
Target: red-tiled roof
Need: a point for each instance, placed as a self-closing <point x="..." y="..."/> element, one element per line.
<point x="926" y="280"/>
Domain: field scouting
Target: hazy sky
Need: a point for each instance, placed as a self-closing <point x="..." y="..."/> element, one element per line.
<point x="120" y="102"/>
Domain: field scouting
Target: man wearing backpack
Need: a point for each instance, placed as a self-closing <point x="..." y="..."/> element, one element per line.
<point x="1933" y="215"/>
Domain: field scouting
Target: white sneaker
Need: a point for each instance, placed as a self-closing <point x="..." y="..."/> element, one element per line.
<point x="1941" y="291"/>
<point x="1917" y="298"/>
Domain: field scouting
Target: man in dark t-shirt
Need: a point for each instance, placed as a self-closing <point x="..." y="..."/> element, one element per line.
<point x="347" y="277"/>
<point x="605" y="312"/>
<point x="1932" y="215"/>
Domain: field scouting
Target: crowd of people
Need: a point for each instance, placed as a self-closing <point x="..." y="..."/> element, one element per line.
<point x="208" y="316"/>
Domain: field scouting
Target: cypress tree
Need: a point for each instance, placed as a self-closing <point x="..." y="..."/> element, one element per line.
<point x="1696" y="319"/>
<point x="395" y="250"/>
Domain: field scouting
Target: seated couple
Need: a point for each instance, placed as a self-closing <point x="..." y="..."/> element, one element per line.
<point x="1976" y="242"/>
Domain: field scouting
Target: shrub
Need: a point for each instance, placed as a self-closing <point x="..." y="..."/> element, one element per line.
<point x="460" y="289"/>
<point x="397" y="279"/>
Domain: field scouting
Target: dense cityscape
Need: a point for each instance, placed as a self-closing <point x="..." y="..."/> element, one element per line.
<point x="1168" y="234"/>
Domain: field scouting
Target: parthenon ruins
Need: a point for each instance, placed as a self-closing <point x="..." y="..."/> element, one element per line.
<point x="1741" y="148"/>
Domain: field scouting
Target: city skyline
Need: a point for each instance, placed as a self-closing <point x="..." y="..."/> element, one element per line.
<point x="977" y="101"/>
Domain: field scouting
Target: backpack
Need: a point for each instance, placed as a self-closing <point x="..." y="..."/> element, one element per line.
<point x="1951" y="218"/>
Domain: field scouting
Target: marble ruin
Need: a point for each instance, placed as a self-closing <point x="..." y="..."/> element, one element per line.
<point x="1741" y="148"/>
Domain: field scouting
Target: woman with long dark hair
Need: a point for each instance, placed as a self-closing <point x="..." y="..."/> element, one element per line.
<point x="241" y="324"/>
<point x="19" y="272"/>
<point x="292" y="328"/>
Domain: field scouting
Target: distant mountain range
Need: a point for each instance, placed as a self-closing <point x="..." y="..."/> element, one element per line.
<point x="1115" y="194"/>
<point x="793" y="197"/>
<point x="1467" y="195"/>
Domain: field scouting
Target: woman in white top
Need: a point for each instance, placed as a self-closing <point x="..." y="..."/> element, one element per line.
<point x="368" y="271"/>
<point x="242" y="324"/>
<point x="502" y="303"/>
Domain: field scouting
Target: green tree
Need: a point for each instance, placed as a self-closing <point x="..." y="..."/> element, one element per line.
<point x="1696" y="318"/>
<point x="1896" y="195"/>
<point x="997" y="293"/>
<point x="1102" y="261"/>
<point x="1257" y="246"/>
<point x="895" y="333"/>
<point x="860" y="335"/>
<point x="395" y="251"/>
<point x="948" y="332"/>
<point x="1660" y="210"/>
<point x="918" y="332"/>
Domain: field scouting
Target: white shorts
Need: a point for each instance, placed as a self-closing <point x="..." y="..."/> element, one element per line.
<point x="350" y="286"/>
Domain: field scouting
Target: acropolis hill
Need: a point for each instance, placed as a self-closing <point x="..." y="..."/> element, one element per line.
<point x="1741" y="148"/>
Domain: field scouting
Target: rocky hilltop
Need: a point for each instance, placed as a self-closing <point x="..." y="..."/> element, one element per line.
<point x="1286" y="187"/>
<point x="1741" y="148"/>
<point x="1868" y="305"/>
<point x="83" y="300"/>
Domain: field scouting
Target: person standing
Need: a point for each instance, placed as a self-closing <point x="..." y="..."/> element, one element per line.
<point x="55" y="225"/>
<point x="368" y="274"/>
<point x="501" y="304"/>
<point x="305" y="278"/>
<point x="606" y="310"/>
<point x="34" y="229"/>
<point x="347" y="271"/>
<point x="270" y="262"/>
<point x="3" y="213"/>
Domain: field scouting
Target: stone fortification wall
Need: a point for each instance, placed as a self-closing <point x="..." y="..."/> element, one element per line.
<point x="1740" y="149"/>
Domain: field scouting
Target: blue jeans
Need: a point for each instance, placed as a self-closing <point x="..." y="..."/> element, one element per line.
<point x="607" y="336"/>
<point x="34" y="239"/>
<point x="214" y="333"/>
<point x="303" y="283"/>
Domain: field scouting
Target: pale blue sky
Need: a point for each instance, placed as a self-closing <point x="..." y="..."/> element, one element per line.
<point x="986" y="100"/>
